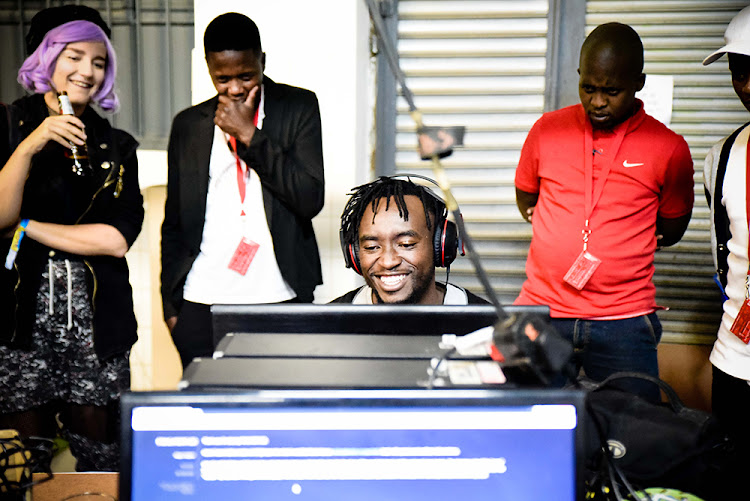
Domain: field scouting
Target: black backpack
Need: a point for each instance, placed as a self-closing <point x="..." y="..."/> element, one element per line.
<point x="633" y="444"/>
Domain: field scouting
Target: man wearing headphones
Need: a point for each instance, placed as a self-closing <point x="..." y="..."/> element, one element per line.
<point x="394" y="233"/>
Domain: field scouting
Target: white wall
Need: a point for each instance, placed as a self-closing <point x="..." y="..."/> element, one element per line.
<point x="324" y="47"/>
<point x="321" y="46"/>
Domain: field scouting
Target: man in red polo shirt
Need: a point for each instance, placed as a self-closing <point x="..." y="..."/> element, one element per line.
<point x="606" y="183"/>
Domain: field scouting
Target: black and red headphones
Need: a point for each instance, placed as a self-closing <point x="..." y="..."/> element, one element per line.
<point x="446" y="242"/>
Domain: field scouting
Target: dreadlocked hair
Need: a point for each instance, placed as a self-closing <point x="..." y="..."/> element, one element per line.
<point x="385" y="188"/>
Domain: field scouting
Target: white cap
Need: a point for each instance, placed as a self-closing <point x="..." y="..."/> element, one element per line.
<point x="736" y="37"/>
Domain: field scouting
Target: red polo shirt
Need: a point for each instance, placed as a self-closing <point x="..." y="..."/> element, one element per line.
<point x="651" y="175"/>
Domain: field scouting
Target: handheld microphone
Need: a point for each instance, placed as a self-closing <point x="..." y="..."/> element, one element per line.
<point x="534" y="337"/>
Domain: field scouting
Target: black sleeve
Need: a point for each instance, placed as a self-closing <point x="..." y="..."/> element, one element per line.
<point x="5" y="122"/>
<point x="293" y="172"/>
<point x="128" y="213"/>
<point x="173" y="252"/>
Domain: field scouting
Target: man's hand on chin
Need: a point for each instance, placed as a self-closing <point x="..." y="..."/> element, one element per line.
<point x="236" y="118"/>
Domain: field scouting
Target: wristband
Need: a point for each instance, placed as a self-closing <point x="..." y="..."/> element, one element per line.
<point x="16" y="244"/>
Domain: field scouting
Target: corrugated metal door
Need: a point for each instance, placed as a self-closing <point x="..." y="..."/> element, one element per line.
<point x="677" y="35"/>
<point x="480" y="64"/>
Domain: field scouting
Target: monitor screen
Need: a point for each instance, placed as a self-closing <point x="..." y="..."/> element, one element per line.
<point x="348" y="318"/>
<point x="356" y="444"/>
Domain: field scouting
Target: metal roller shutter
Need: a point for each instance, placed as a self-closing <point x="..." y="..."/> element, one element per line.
<point x="677" y="35"/>
<point x="480" y="64"/>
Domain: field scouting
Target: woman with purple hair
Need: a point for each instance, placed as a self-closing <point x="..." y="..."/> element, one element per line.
<point x="66" y="306"/>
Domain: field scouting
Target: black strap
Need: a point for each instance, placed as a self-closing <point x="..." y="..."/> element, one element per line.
<point x="721" y="219"/>
<point x="673" y="400"/>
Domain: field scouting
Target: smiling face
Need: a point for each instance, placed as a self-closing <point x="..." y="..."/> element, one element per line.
<point x="396" y="256"/>
<point x="235" y="72"/>
<point x="79" y="71"/>
<point x="607" y="87"/>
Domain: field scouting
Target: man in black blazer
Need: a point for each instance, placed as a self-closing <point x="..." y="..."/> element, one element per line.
<point x="245" y="180"/>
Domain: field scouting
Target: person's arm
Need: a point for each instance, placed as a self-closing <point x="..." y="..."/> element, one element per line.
<point x="670" y="231"/>
<point x="84" y="239"/>
<point x="526" y="203"/>
<point x="677" y="197"/>
<point x="527" y="179"/>
<point x="113" y="221"/>
<point x="62" y="129"/>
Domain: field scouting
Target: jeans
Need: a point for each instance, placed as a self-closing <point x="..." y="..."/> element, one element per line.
<point x="603" y="347"/>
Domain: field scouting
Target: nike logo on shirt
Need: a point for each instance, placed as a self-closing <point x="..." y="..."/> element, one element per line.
<point x="627" y="164"/>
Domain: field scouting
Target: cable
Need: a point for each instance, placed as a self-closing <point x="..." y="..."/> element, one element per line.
<point x="437" y="167"/>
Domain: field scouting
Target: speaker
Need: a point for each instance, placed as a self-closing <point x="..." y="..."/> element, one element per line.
<point x="446" y="239"/>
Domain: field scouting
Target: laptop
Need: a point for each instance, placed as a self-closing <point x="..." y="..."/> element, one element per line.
<point x="352" y="444"/>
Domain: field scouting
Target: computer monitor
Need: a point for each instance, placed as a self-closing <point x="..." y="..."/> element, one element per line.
<point x="417" y="445"/>
<point x="366" y="319"/>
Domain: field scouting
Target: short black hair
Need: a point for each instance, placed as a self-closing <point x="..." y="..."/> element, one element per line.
<point x="619" y="37"/>
<point x="232" y="31"/>
<point x="384" y="188"/>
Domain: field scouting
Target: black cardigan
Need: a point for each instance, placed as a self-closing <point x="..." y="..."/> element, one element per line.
<point x="53" y="193"/>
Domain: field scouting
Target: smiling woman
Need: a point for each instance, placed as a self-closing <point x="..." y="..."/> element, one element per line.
<point x="65" y="300"/>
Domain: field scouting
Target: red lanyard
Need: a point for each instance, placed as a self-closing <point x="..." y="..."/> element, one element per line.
<point x="747" y="199"/>
<point x="241" y="182"/>
<point x="591" y="194"/>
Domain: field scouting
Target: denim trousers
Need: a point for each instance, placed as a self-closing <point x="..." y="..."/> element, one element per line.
<point x="603" y="347"/>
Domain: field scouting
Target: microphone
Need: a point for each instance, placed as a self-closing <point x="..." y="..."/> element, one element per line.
<point x="526" y="340"/>
<point x="532" y="336"/>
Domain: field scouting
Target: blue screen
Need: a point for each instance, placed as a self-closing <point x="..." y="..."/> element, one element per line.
<point x="313" y="453"/>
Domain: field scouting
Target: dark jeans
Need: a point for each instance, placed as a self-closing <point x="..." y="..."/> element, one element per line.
<point x="730" y="403"/>
<point x="193" y="335"/>
<point x="603" y="347"/>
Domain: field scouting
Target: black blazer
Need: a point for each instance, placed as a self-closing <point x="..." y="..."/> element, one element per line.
<point x="287" y="155"/>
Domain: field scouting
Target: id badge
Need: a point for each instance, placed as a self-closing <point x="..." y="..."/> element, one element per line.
<point x="243" y="256"/>
<point x="584" y="266"/>
<point x="741" y="325"/>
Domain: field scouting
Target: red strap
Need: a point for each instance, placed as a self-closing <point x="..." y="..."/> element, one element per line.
<point x="241" y="182"/>
<point x="747" y="192"/>
<point x="591" y="193"/>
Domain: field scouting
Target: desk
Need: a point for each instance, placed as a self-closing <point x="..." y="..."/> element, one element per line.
<point x="63" y="485"/>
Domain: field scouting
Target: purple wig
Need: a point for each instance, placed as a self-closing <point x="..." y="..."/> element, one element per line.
<point x="36" y="71"/>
